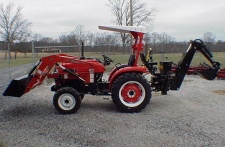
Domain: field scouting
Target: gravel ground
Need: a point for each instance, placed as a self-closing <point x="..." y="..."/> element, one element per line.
<point x="193" y="116"/>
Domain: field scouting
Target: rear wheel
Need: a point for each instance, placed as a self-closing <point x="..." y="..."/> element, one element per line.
<point x="67" y="100"/>
<point x="131" y="92"/>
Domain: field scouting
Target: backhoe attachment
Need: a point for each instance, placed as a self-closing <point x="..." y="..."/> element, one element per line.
<point x="184" y="64"/>
<point x="167" y="80"/>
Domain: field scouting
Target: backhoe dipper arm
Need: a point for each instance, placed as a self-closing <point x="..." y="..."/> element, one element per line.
<point x="184" y="64"/>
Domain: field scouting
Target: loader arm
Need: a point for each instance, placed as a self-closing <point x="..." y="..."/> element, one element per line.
<point x="39" y="72"/>
<point x="45" y="66"/>
<point x="184" y="64"/>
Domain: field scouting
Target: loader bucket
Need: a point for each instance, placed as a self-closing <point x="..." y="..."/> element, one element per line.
<point x="209" y="74"/>
<point x="17" y="86"/>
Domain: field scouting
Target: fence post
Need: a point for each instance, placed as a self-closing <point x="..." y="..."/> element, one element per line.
<point x="9" y="61"/>
<point x="33" y="52"/>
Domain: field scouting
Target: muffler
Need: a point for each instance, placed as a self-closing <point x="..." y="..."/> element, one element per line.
<point x="18" y="86"/>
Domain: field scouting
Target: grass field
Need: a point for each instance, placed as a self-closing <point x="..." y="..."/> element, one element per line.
<point x="118" y="58"/>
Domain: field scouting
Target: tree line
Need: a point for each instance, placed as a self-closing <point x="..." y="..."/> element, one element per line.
<point x="16" y="34"/>
<point x="109" y="42"/>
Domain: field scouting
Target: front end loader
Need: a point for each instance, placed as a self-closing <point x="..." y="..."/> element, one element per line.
<point x="130" y="90"/>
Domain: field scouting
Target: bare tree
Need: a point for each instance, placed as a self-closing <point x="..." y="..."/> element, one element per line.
<point x="165" y="40"/>
<point x="220" y="46"/>
<point x="13" y="27"/>
<point x="37" y="37"/>
<point x="48" y="41"/>
<point x="68" y="39"/>
<point x="122" y="15"/>
<point x="209" y="39"/>
<point x="107" y="40"/>
<point x="90" y="39"/>
<point x="150" y="41"/>
<point x="79" y="34"/>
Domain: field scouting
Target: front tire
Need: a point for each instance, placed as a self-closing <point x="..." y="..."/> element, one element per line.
<point x="131" y="92"/>
<point x="67" y="100"/>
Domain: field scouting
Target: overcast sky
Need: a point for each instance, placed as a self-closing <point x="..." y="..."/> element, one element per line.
<point x="182" y="19"/>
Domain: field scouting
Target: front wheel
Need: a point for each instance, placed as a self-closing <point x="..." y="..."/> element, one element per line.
<point x="67" y="100"/>
<point x="131" y="92"/>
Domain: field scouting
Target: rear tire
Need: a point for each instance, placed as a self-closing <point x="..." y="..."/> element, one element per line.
<point x="131" y="92"/>
<point x="67" y="100"/>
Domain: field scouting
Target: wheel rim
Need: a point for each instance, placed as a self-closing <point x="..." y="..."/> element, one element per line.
<point x="66" y="101"/>
<point x="132" y="93"/>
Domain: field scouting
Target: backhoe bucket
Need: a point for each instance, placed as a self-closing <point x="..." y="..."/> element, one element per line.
<point x="17" y="86"/>
<point x="209" y="74"/>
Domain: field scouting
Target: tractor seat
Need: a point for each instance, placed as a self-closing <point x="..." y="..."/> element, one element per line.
<point x="148" y="65"/>
<point x="130" y="63"/>
<point x="131" y="60"/>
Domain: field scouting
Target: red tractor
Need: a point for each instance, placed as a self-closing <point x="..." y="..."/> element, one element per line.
<point x="130" y="90"/>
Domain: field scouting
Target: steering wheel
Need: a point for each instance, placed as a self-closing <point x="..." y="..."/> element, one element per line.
<point x="107" y="60"/>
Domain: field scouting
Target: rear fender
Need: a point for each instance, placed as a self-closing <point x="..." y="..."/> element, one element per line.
<point x="116" y="73"/>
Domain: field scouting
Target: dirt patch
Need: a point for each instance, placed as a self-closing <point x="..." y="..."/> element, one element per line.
<point x="2" y="144"/>
<point x="220" y="92"/>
